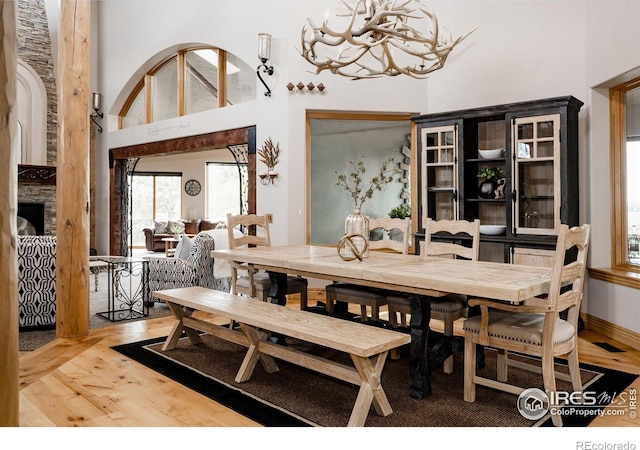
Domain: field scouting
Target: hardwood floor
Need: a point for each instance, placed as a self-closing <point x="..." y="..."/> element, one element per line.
<point x="82" y="382"/>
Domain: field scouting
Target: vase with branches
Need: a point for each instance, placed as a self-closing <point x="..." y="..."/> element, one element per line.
<point x="357" y="223"/>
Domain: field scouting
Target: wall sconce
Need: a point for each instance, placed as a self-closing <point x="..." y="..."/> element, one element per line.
<point x="264" y="52"/>
<point x="96" y="102"/>
<point x="269" y="154"/>
<point x="267" y="178"/>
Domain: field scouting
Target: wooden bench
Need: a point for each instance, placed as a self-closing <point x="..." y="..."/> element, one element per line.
<point x="368" y="346"/>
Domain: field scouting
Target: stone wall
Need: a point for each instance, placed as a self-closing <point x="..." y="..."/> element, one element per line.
<point x="34" y="48"/>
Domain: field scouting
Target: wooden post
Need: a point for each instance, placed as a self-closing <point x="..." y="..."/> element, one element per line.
<point x="8" y="211"/>
<point x="72" y="190"/>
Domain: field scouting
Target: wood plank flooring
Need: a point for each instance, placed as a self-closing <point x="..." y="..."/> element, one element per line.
<point x="82" y="382"/>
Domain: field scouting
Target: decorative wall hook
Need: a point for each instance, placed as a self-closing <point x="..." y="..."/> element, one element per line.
<point x="309" y="86"/>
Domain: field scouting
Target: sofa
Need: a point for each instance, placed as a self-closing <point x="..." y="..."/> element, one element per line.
<point x="36" y="281"/>
<point x="154" y="233"/>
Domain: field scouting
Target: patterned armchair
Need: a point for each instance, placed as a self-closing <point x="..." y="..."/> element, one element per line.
<point x="195" y="270"/>
<point x="36" y="280"/>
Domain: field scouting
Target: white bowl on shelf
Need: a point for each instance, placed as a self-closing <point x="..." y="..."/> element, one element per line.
<point x="491" y="154"/>
<point x="492" y="230"/>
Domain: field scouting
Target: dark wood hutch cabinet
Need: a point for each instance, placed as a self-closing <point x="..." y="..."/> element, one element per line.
<point x="536" y="152"/>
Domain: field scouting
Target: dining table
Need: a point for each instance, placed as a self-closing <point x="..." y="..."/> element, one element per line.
<point x="420" y="277"/>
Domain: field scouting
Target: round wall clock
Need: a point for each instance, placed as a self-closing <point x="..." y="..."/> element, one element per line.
<point x="192" y="187"/>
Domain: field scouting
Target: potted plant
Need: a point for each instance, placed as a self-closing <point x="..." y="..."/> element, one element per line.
<point x="490" y="175"/>
<point x="400" y="212"/>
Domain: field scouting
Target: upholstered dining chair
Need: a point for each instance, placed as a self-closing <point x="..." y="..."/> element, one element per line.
<point x="362" y="295"/>
<point x="534" y="327"/>
<point x="452" y="306"/>
<point x="245" y="279"/>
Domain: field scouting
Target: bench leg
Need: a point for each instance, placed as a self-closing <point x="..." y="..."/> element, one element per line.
<point x="253" y="355"/>
<point x="370" y="389"/>
<point x="180" y="313"/>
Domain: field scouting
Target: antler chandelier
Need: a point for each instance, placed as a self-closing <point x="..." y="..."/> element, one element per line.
<point x="379" y="37"/>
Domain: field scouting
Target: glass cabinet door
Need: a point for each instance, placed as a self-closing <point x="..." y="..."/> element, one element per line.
<point x="536" y="174"/>
<point x="490" y="195"/>
<point x="439" y="173"/>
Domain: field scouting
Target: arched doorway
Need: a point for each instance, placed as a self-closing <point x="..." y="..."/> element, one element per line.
<point x="120" y="167"/>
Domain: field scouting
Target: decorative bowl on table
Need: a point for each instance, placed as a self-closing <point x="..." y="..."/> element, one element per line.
<point x="492" y="230"/>
<point x="491" y="154"/>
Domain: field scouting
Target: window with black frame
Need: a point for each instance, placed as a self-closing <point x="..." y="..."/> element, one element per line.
<point x="154" y="197"/>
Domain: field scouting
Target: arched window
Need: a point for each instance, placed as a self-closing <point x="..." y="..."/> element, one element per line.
<point x="32" y="116"/>
<point x="190" y="81"/>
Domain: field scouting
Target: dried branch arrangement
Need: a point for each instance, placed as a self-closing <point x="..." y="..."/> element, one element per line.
<point x="269" y="154"/>
<point x="352" y="182"/>
<point x="380" y="37"/>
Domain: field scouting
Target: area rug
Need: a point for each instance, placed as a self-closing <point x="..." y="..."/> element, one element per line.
<point x="295" y="396"/>
<point x="30" y="339"/>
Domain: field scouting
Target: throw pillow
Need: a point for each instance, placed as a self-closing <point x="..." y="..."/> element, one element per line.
<point x="184" y="247"/>
<point x="221" y="226"/>
<point x="175" y="227"/>
<point x="207" y="225"/>
<point x="159" y="227"/>
<point x="191" y="226"/>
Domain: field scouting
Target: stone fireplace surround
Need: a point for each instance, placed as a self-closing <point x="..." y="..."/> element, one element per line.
<point x="37" y="185"/>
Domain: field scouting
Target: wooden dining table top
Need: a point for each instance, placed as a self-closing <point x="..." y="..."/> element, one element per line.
<point x="408" y="273"/>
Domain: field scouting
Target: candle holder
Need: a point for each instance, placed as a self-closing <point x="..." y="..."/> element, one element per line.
<point x="267" y="177"/>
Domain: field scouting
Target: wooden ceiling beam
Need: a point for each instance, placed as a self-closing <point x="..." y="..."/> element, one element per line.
<point x="201" y="142"/>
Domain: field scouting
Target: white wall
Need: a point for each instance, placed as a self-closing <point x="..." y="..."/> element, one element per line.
<point x="612" y="43"/>
<point x="521" y="50"/>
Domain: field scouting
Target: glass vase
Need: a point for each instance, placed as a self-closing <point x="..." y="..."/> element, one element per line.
<point x="357" y="223"/>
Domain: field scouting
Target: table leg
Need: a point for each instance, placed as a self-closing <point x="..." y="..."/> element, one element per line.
<point x="278" y="295"/>
<point x="278" y="290"/>
<point x="418" y="353"/>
